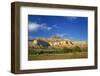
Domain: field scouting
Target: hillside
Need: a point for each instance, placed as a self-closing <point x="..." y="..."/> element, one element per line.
<point x="56" y="48"/>
<point x="56" y="43"/>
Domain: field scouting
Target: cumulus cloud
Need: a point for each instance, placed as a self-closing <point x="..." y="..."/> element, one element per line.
<point x="32" y="26"/>
<point x="45" y="27"/>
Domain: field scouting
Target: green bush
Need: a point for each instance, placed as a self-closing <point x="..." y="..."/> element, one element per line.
<point x="53" y="50"/>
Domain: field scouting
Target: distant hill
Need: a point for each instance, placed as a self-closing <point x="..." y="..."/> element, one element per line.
<point x="56" y="42"/>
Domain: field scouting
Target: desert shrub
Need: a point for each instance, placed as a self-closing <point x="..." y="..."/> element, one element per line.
<point x="53" y="50"/>
<point x="77" y="49"/>
<point x="66" y="50"/>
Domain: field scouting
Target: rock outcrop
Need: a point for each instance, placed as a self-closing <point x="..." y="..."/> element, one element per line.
<point x="56" y="43"/>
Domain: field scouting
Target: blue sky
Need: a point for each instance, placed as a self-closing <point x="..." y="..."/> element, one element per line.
<point x="67" y="27"/>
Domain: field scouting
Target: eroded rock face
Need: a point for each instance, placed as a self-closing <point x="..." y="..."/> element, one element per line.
<point x="41" y="43"/>
<point x="62" y="44"/>
<point x="55" y="43"/>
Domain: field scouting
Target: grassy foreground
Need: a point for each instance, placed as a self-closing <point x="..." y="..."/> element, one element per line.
<point x="51" y="54"/>
<point x="58" y="56"/>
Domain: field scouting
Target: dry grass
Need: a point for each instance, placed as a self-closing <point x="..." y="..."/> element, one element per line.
<point x="72" y="55"/>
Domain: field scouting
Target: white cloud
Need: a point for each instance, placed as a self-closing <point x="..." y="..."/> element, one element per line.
<point x="32" y="26"/>
<point x="49" y="28"/>
<point x="61" y="35"/>
<point x="44" y="26"/>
